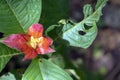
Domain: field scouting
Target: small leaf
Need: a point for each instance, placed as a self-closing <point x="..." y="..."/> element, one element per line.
<point x="87" y="10"/>
<point x="8" y="76"/>
<point x="44" y="70"/>
<point x="17" y="15"/>
<point x="5" y="55"/>
<point x="50" y="28"/>
<point x="79" y="35"/>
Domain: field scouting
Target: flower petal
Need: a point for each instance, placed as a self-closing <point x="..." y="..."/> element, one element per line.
<point x="15" y="41"/>
<point x="44" y="46"/>
<point x="36" y="30"/>
<point x="29" y="52"/>
<point x="19" y="41"/>
<point x="44" y="51"/>
<point x="26" y="37"/>
<point x="50" y="40"/>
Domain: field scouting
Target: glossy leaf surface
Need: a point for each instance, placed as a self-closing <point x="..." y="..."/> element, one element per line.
<point x="17" y="15"/>
<point x="5" y="55"/>
<point x="45" y="70"/>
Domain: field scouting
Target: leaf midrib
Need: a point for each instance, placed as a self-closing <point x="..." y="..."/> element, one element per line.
<point x="10" y="55"/>
<point x="40" y="70"/>
<point x="14" y="14"/>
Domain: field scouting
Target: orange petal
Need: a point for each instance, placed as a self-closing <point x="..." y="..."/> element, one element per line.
<point x="35" y="30"/>
<point x="19" y="41"/>
<point x="44" y="46"/>
<point x="29" y="52"/>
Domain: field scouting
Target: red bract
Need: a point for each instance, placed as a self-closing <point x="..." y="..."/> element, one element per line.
<point x="32" y="43"/>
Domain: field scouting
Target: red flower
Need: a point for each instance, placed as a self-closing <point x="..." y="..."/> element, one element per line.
<point x="32" y="43"/>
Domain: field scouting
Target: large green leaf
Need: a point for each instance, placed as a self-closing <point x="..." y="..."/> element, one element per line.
<point x="8" y="76"/>
<point x="44" y="70"/>
<point x="17" y="15"/>
<point x="53" y="11"/>
<point x="83" y="33"/>
<point x="5" y="54"/>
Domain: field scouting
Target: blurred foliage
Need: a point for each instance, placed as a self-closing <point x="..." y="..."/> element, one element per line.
<point x="7" y="76"/>
<point x="53" y="11"/>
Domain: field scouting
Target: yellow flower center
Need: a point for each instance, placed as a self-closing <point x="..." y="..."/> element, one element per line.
<point x="34" y="41"/>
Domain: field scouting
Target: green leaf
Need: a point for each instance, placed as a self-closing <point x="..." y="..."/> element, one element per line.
<point x="17" y="15"/>
<point x="83" y="33"/>
<point x="8" y="76"/>
<point x="5" y="55"/>
<point x="44" y="70"/>
<point x="53" y="11"/>
<point x="50" y="28"/>
<point x="87" y="10"/>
